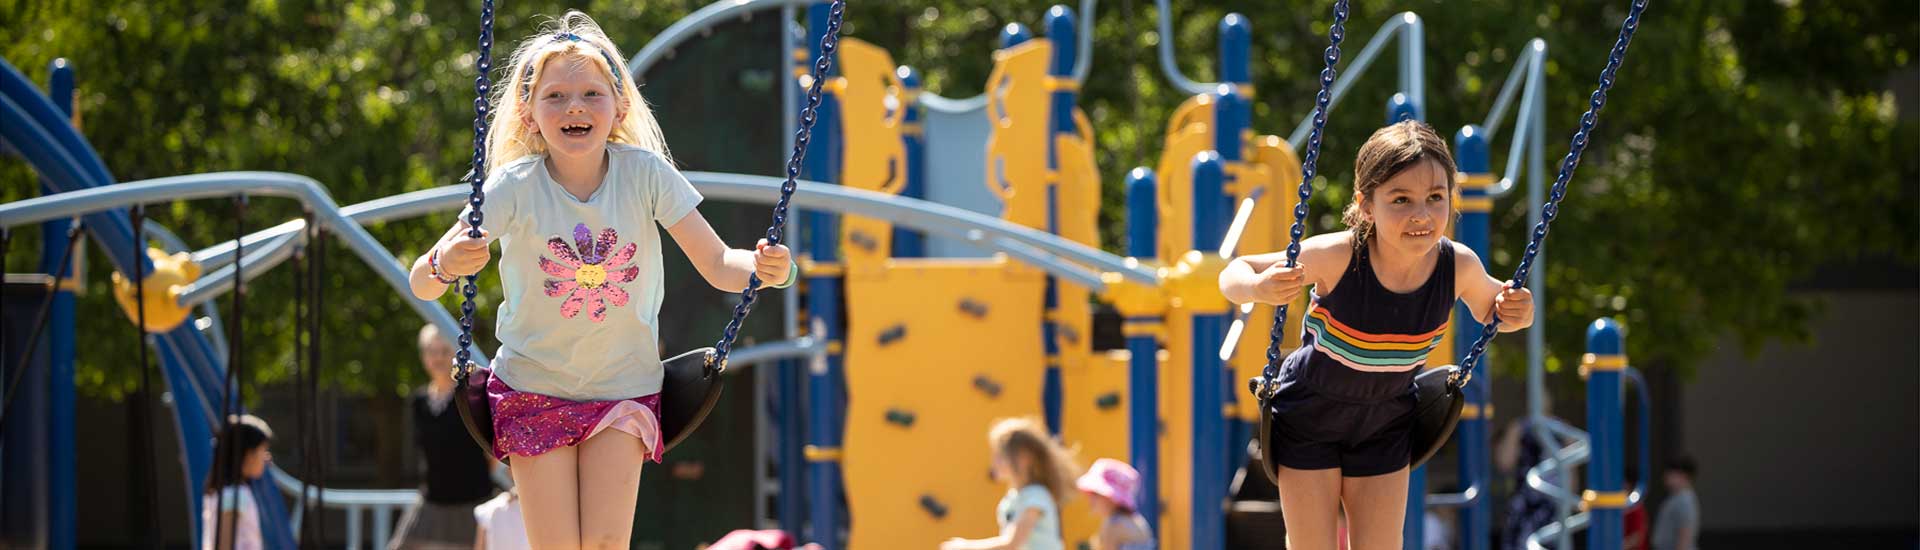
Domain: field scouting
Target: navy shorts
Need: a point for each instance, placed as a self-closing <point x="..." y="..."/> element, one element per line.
<point x="1315" y="429"/>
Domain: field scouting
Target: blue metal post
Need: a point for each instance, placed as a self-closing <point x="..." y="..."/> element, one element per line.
<point x="1232" y="121"/>
<point x="1231" y="113"/>
<point x="793" y="489"/>
<point x="1143" y="348"/>
<point x="825" y="387"/>
<point x="1060" y="31"/>
<point x="1014" y="34"/>
<point x="908" y="243"/>
<point x="61" y="508"/>
<point x="1236" y="37"/>
<point x="1475" y="466"/>
<point x="1402" y="107"/>
<point x="1211" y="212"/>
<point x="1606" y="499"/>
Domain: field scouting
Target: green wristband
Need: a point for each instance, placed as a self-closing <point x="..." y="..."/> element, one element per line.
<point x="793" y="275"/>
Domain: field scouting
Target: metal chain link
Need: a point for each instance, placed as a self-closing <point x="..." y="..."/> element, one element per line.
<point x="1267" y="383"/>
<point x="1567" y="166"/>
<point x="477" y="175"/>
<point x="828" y="43"/>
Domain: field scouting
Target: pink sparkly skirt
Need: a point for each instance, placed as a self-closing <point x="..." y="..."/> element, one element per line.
<point x="530" y="424"/>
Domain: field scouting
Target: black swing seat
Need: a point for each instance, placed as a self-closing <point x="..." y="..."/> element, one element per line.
<point x="1436" y="412"/>
<point x="688" y="393"/>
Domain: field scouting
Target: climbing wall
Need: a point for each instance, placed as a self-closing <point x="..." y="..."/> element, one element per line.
<point x="875" y="158"/>
<point x="936" y="351"/>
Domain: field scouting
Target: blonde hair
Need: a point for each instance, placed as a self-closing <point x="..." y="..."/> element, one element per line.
<point x="577" y="38"/>
<point x="1390" y="151"/>
<point x="1049" y="464"/>
<point x="428" y="335"/>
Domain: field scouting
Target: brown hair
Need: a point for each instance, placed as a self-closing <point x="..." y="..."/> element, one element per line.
<point x="1389" y="152"/>
<point x="1051" y="466"/>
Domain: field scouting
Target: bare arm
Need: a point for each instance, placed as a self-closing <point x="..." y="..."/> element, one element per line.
<point x="460" y="255"/>
<point x="1264" y="278"/>
<point x="723" y="267"/>
<point x="1485" y="295"/>
<point x="1018" y="533"/>
<point x="1240" y="282"/>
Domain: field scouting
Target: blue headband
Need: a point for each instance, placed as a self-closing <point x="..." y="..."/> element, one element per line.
<point x="526" y="80"/>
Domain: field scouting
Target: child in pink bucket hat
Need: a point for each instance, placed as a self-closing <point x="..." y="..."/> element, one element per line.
<point x="1111" y="487"/>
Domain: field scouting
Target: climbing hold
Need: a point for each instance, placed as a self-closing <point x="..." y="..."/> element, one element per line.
<point x="901" y="417"/>
<point x="1069" y="334"/>
<point x="933" y="506"/>
<point x="892" y="334"/>
<point x="863" y="240"/>
<point x="986" y="385"/>
<point x="1107" y="401"/>
<point x="973" y="308"/>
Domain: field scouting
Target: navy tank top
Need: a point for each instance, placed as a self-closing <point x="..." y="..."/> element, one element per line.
<point x="1363" y="342"/>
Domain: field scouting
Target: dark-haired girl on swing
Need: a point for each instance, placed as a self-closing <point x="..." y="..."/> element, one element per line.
<point x="1383" y="295"/>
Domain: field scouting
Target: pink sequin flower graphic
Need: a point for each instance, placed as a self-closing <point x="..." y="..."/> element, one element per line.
<point x="586" y="274"/>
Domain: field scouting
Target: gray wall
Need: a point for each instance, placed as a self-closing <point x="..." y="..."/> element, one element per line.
<point x="1825" y="435"/>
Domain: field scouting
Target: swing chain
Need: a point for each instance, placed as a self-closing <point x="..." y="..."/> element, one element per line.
<point x="829" y="42"/>
<point x="1567" y="166"/>
<point x="482" y="86"/>
<point x="1268" y="383"/>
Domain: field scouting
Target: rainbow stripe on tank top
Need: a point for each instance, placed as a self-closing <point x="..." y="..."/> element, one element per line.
<point x="1365" y="351"/>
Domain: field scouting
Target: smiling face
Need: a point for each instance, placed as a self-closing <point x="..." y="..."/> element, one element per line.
<point x="1402" y="189"/>
<point x="572" y="106"/>
<point x="1410" y="211"/>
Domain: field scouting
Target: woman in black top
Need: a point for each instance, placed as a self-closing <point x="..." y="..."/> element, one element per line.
<point x="453" y="473"/>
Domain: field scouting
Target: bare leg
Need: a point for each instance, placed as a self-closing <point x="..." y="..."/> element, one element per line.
<point x="1376" y="509"/>
<point x="610" y="464"/>
<point x="549" y="498"/>
<point x="1310" y="500"/>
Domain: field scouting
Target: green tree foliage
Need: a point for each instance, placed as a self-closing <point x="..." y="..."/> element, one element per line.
<point x="1746" y="144"/>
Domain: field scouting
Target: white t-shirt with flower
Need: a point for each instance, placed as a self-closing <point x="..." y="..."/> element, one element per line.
<point x="583" y="279"/>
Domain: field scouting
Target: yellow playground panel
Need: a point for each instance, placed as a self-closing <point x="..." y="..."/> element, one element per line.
<point x="1018" y="110"/>
<point x="936" y="350"/>
<point x="866" y="83"/>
